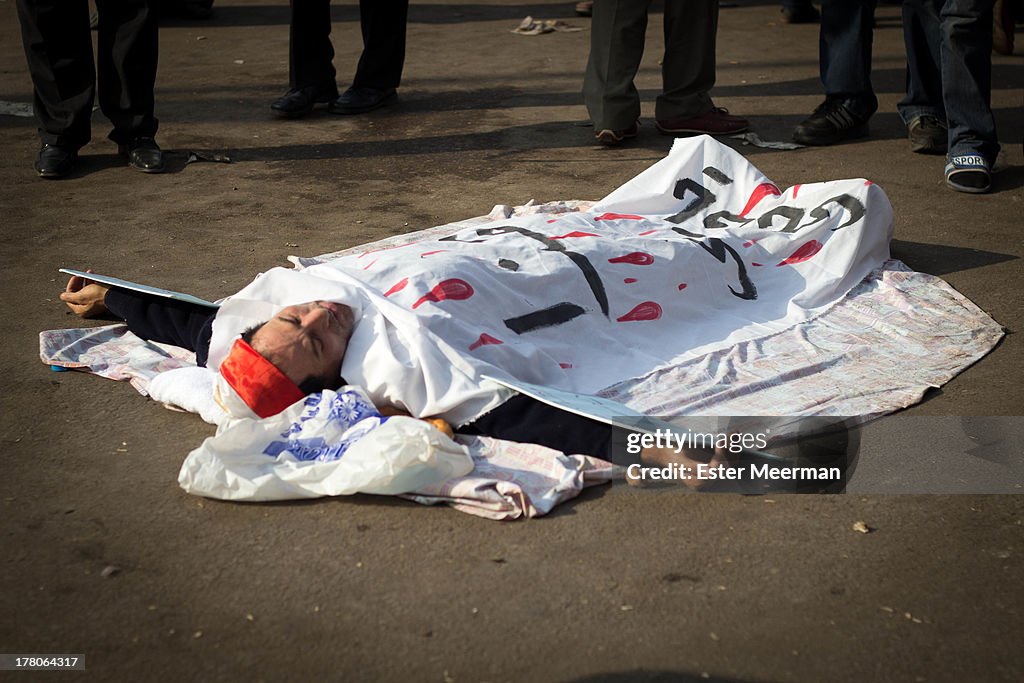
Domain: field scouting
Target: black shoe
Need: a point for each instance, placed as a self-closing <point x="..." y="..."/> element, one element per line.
<point x="54" y="161"/>
<point x="362" y="99"/>
<point x="928" y="135"/>
<point x="298" y="102"/>
<point x="143" y="154"/>
<point x="830" y="123"/>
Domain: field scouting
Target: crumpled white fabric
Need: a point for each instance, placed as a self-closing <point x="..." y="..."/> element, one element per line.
<point x="330" y="444"/>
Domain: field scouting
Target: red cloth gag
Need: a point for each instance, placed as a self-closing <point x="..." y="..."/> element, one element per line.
<point x="264" y="388"/>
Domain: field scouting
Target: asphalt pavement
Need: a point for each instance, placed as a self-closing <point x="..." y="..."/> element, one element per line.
<point x="104" y="556"/>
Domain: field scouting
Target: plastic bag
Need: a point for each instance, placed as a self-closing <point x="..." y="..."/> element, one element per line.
<point x="330" y="444"/>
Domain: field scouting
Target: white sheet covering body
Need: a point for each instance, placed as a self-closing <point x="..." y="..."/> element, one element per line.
<point x="697" y="253"/>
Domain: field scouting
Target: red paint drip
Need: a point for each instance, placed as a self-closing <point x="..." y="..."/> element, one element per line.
<point x="754" y="263"/>
<point x="629" y="280"/>
<point x="397" y="287"/>
<point x="552" y="220"/>
<point x="565" y="366"/>
<point x="636" y="258"/>
<point x="682" y="286"/>
<point x="428" y="253"/>
<point x="574" y="233"/>
<point x="796" y="188"/>
<point x="618" y="216"/>
<point x="647" y="232"/>
<point x="804" y="252"/>
<point x="447" y="289"/>
<point x="759" y="193"/>
<point x="868" y="182"/>
<point x="648" y="310"/>
<point x="749" y="243"/>
<point x="484" y="340"/>
<point x="367" y="266"/>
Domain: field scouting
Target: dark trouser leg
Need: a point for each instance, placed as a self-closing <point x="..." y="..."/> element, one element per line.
<point x="967" y="77"/>
<point x="527" y="420"/>
<point x="845" y="53"/>
<point x="617" y="33"/>
<point x="688" y="70"/>
<point x="127" y="48"/>
<point x="310" y="53"/>
<point x="383" y="24"/>
<point x="922" y="36"/>
<point x="58" y="48"/>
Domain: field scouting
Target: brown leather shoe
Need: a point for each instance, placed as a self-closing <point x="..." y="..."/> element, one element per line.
<point x="715" y="122"/>
<point x="614" y="138"/>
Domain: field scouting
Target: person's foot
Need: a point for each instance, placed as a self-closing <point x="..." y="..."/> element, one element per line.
<point x="143" y="154"/>
<point x="359" y="100"/>
<point x="830" y="123"/>
<point x="807" y="14"/>
<point x="718" y="121"/>
<point x="614" y="138"/>
<point x="968" y="173"/>
<point x="585" y="9"/>
<point x="928" y="135"/>
<point x="55" y="161"/>
<point x="298" y="102"/>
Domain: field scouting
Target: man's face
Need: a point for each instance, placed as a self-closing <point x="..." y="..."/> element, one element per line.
<point x="307" y="340"/>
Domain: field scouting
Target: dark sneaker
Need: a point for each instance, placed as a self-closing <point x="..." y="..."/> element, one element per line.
<point x="585" y="9"/>
<point x="298" y="102"/>
<point x="807" y="14"/>
<point x="830" y="123"/>
<point x="718" y="121"/>
<point x="968" y="173"/>
<point x="55" y="161"/>
<point x="614" y="138"/>
<point x="928" y="135"/>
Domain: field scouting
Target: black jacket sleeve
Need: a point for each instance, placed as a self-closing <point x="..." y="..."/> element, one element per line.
<point x="164" y="320"/>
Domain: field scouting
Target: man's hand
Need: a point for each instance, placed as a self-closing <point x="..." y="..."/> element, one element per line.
<point x="84" y="297"/>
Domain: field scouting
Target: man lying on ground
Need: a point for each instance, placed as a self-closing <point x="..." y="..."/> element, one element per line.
<point x="299" y="351"/>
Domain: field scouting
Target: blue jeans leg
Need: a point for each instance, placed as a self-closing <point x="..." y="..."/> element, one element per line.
<point x="845" y="53"/>
<point x="922" y="36"/>
<point x="967" y="77"/>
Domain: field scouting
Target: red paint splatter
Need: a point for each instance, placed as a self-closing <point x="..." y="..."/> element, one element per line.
<point x="574" y="233"/>
<point x="868" y="182"/>
<point x="367" y="266"/>
<point x="636" y="258"/>
<point x="682" y="286"/>
<point x="759" y="193"/>
<point x="618" y="216"/>
<point x="629" y="280"/>
<point x="565" y="366"/>
<point x="647" y="232"/>
<point x="484" y="340"/>
<point x="648" y="310"/>
<point x="397" y="287"/>
<point x="756" y="264"/>
<point x="552" y="220"/>
<point x="447" y="289"/>
<point x="804" y="252"/>
<point x="750" y="243"/>
<point x="796" y="188"/>
<point x="428" y="253"/>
